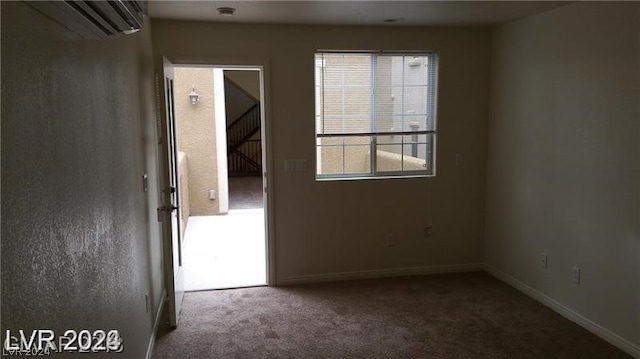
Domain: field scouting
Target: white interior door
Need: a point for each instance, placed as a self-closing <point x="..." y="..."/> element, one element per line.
<point x="172" y="242"/>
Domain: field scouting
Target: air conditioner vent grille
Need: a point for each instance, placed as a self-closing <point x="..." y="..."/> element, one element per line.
<point x="96" y="19"/>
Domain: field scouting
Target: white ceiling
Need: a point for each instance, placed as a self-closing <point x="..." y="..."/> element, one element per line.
<point x="415" y="13"/>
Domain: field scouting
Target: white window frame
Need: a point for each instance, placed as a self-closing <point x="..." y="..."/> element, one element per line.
<point x="431" y="111"/>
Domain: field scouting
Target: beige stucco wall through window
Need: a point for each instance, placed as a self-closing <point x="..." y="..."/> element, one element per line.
<point x="196" y="136"/>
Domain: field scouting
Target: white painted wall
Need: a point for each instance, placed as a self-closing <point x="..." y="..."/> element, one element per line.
<point x="323" y="228"/>
<point x="563" y="172"/>
<point x="221" y="140"/>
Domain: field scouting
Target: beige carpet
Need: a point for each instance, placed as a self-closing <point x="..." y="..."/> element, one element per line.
<point x="441" y="316"/>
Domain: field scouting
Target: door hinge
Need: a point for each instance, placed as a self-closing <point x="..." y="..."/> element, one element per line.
<point x="161" y="210"/>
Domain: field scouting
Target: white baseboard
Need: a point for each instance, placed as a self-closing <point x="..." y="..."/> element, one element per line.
<point x="380" y="273"/>
<point x="156" y="324"/>
<point x="609" y="336"/>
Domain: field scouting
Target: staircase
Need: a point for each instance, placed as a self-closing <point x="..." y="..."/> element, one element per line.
<point x="244" y="148"/>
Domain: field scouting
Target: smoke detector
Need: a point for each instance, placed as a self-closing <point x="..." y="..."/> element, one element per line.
<point x="226" y="11"/>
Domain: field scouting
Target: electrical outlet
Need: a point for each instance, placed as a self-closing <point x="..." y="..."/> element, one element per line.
<point x="576" y="275"/>
<point x="543" y="260"/>
<point x="458" y="159"/>
<point x="390" y="242"/>
<point x="428" y="231"/>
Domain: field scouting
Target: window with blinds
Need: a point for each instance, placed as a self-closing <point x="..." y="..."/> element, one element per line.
<point x="375" y="114"/>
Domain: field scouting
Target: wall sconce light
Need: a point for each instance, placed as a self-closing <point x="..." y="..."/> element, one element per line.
<point x="193" y="96"/>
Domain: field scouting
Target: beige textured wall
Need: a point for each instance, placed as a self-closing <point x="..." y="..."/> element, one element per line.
<point x="340" y="226"/>
<point x="352" y="158"/>
<point x="183" y="174"/>
<point x="564" y="159"/>
<point x="352" y="155"/>
<point x="197" y="136"/>
<point x="389" y="161"/>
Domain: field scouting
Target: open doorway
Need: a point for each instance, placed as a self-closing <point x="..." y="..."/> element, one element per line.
<point x="244" y="138"/>
<point x="219" y="120"/>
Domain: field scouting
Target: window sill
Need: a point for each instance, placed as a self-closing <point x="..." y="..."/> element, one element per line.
<point x="371" y="177"/>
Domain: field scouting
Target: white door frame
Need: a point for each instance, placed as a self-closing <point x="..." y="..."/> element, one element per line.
<point x="265" y="136"/>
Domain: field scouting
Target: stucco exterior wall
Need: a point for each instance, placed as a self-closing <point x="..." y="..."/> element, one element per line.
<point x="196" y="135"/>
<point x="183" y="179"/>
<point x="355" y="157"/>
<point x="389" y="161"/>
<point x="351" y="158"/>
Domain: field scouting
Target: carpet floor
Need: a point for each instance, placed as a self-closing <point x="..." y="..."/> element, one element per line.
<point x="470" y="315"/>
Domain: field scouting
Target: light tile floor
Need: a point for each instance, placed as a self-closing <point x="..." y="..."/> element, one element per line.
<point x="225" y="251"/>
<point x="228" y="251"/>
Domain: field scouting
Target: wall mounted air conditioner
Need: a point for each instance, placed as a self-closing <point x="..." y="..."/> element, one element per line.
<point x="96" y="19"/>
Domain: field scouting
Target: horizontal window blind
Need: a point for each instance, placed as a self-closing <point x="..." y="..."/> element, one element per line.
<point x="375" y="94"/>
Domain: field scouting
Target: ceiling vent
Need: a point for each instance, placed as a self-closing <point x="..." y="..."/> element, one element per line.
<point x="96" y="19"/>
